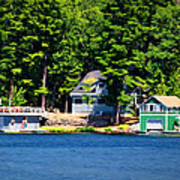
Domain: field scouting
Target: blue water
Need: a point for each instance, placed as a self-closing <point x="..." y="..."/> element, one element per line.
<point x="87" y="156"/>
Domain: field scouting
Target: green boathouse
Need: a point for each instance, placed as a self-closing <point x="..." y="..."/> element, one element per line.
<point x="160" y="113"/>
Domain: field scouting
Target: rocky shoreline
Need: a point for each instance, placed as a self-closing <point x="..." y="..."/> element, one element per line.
<point x="71" y="124"/>
<point x="87" y="129"/>
<point x="82" y="120"/>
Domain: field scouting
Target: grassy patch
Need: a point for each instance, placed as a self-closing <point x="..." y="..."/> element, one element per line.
<point x="86" y="129"/>
<point x="68" y="130"/>
<point x="108" y="130"/>
<point x="123" y="127"/>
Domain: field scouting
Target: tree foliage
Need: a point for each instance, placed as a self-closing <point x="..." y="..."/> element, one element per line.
<point x="47" y="46"/>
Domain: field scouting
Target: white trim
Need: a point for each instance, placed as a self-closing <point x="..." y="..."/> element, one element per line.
<point x="83" y="94"/>
<point x="150" y="99"/>
<point x="155" y="97"/>
<point x="21" y="114"/>
<point x="158" y="114"/>
<point x="156" y="107"/>
<point x="166" y="119"/>
<point x="161" y="124"/>
<point x="140" y="117"/>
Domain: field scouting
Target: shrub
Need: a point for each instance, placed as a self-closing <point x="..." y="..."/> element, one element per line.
<point x="108" y="130"/>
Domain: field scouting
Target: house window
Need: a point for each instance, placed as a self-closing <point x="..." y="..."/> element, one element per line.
<point x="158" y="108"/>
<point x="155" y="108"/>
<point x="170" y="109"/>
<point x="145" y="108"/>
<point x="101" y="101"/>
<point x="78" y="101"/>
<point x="151" y="108"/>
<point x="176" y="110"/>
<point x="161" y="108"/>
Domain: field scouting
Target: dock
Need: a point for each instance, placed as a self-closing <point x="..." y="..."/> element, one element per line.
<point x="20" y="118"/>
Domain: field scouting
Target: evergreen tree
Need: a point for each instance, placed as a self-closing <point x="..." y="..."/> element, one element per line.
<point x="47" y="46"/>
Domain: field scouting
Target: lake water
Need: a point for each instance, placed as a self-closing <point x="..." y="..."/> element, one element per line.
<point x="89" y="156"/>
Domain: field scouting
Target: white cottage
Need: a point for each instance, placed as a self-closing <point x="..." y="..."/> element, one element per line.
<point x="87" y="97"/>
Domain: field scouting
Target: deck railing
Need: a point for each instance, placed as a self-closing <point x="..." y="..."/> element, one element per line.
<point x="21" y="109"/>
<point x="18" y="126"/>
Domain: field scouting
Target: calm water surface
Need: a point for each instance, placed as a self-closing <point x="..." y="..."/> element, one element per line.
<point x="87" y="156"/>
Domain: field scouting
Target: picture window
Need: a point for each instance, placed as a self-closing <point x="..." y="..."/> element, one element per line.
<point x="78" y="101"/>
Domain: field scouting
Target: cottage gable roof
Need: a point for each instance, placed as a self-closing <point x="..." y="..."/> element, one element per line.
<point x="169" y="101"/>
<point x="89" y="80"/>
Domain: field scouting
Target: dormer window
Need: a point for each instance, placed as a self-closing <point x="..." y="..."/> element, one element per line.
<point x="93" y="90"/>
<point x="81" y="88"/>
<point x="101" y="85"/>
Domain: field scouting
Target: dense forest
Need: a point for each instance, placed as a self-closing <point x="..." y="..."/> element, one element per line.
<point x="47" y="46"/>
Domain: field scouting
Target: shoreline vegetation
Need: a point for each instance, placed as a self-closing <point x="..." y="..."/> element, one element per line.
<point x="110" y="130"/>
<point x="121" y="129"/>
<point x="62" y="123"/>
